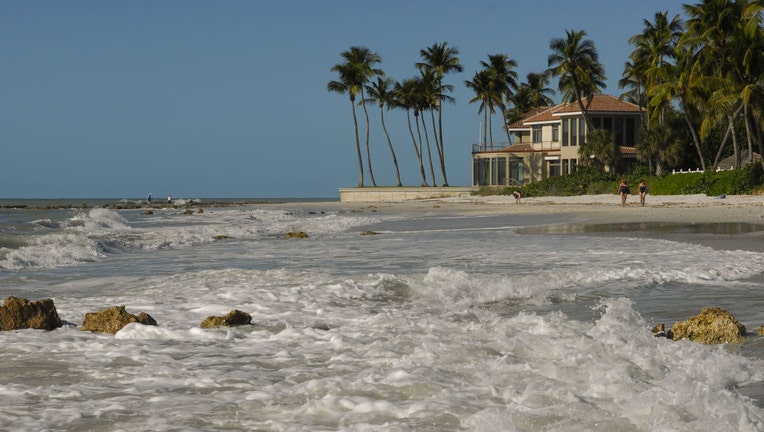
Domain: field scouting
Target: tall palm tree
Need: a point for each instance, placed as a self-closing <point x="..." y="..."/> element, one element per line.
<point x="502" y="67"/>
<point x="404" y="95"/>
<point x="380" y="93"/>
<point x="576" y="61"/>
<point x="347" y="84"/>
<point x="483" y="83"/>
<point x="441" y="60"/>
<point x="531" y="94"/>
<point x="685" y="83"/>
<point x="426" y="100"/>
<point x="354" y="73"/>
<point x="653" y="48"/>
<point x="541" y="95"/>
<point x="712" y="26"/>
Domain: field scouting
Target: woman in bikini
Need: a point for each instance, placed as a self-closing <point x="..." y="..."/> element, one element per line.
<point x="623" y="190"/>
<point x="642" y="192"/>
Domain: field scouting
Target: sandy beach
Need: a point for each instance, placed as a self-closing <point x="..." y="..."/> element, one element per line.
<point x="730" y="222"/>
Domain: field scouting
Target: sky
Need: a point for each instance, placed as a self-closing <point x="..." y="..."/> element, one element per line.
<point x="228" y="99"/>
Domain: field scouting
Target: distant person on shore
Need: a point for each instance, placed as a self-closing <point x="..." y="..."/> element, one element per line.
<point x="642" y="192"/>
<point x="169" y="199"/>
<point x="148" y="200"/>
<point x="516" y="194"/>
<point x="623" y="190"/>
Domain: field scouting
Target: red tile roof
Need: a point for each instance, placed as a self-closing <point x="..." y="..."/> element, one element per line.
<point x="600" y="104"/>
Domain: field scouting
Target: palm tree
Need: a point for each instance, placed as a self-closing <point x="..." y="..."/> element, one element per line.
<point x="347" y="84"/>
<point x="354" y="73"/>
<point x="576" y="61"/>
<point x="684" y="83"/>
<point x="712" y="29"/>
<point x="653" y="48"/>
<point x="505" y="77"/>
<point x="379" y="92"/>
<point x="483" y="84"/>
<point x="404" y="96"/>
<point x="541" y="95"/>
<point x="442" y="60"/>
<point x="426" y="100"/>
<point x="531" y="94"/>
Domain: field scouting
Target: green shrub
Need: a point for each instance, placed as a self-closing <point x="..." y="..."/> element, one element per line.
<point x="592" y="181"/>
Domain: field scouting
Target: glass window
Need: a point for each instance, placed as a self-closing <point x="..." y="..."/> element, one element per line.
<point x="607" y="124"/>
<point x="631" y="136"/>
<point x="554" y="168"/>
<point x="480" y="174"/>
<point x="573" y="164"/>
<point x="502" y="171"/>
<point x="565" y="167"/>
<point x="555" y="133"/>
<point x="573" y="134"/>
<point x="581" y="131"/>
<point x="536" y="134"/>
<point x="564" y="132"/>
<point x="618" y="131"/>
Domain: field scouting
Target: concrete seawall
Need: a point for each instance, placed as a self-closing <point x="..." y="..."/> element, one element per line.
<point x="398" y="194"/>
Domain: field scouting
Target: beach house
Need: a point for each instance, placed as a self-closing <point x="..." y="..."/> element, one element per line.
<point x="545" y="142"/>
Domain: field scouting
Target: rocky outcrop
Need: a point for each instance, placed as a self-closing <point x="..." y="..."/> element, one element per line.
<point x="296" y="234"/>
<point x="711" y="326"/>
<point x="761" y="330"/>
<point x="19" y="313"/>
<point x="233" y="318"/>
<point x="111" y="320"/>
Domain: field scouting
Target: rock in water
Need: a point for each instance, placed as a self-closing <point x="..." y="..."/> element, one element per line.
<point x="711" y="326"/>
<point x="233" y="318"/>
<point x="20" y="313"/>
<point x="111" y="320"/>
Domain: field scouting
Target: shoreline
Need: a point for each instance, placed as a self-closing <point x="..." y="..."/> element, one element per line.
<point x="732" y="223"/>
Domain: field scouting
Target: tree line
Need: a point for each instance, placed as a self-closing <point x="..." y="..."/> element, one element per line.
<point x="699" y="81"/>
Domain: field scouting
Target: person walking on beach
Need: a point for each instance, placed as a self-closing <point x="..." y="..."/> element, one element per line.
<point x="516" y="194"/>
<point x="642" y="192"/>
<point x="623" y="190"/>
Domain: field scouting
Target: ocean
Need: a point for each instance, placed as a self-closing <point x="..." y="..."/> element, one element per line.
<point x="433" y="321"/>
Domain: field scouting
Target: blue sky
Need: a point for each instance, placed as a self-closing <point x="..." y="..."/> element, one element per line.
<point x="116" y="99"/>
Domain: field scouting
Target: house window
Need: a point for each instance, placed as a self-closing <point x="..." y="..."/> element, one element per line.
<point x="480" y="171"/>
<point x="573" y="165"/>
<point x="554" y="168"/>
<point x="564" y="132"/>
<point x="536" y="134"/>
<point x="565" y="167"/>
<point x="573" y="135"/>
<point x="618" y="131"/>
<point x="516" y="170"/>
<point x="631" y="136"/>
<point x="555" y="133"/>
<point x="581" y="131"/>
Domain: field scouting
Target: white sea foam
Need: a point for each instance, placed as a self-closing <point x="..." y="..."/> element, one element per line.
<point x="407" y="330"/>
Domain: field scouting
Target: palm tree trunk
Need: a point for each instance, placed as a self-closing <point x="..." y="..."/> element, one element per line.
<point x="390" y="144"/>
<point x="695" y="138"/>
<point x="357" y="143"/>
<point x="490" y="122"/>
<point x="735" y="149"/>
<point x="435" y="133"/>
<point x="721" y="148"/>
<point x="420" y="150"/>
<point x="416" y="149"/>
<point x="441" y="148"/>
<point x="748" y="133"/>
<point x="368" y="153"/>
<point x="429" y="153"/>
